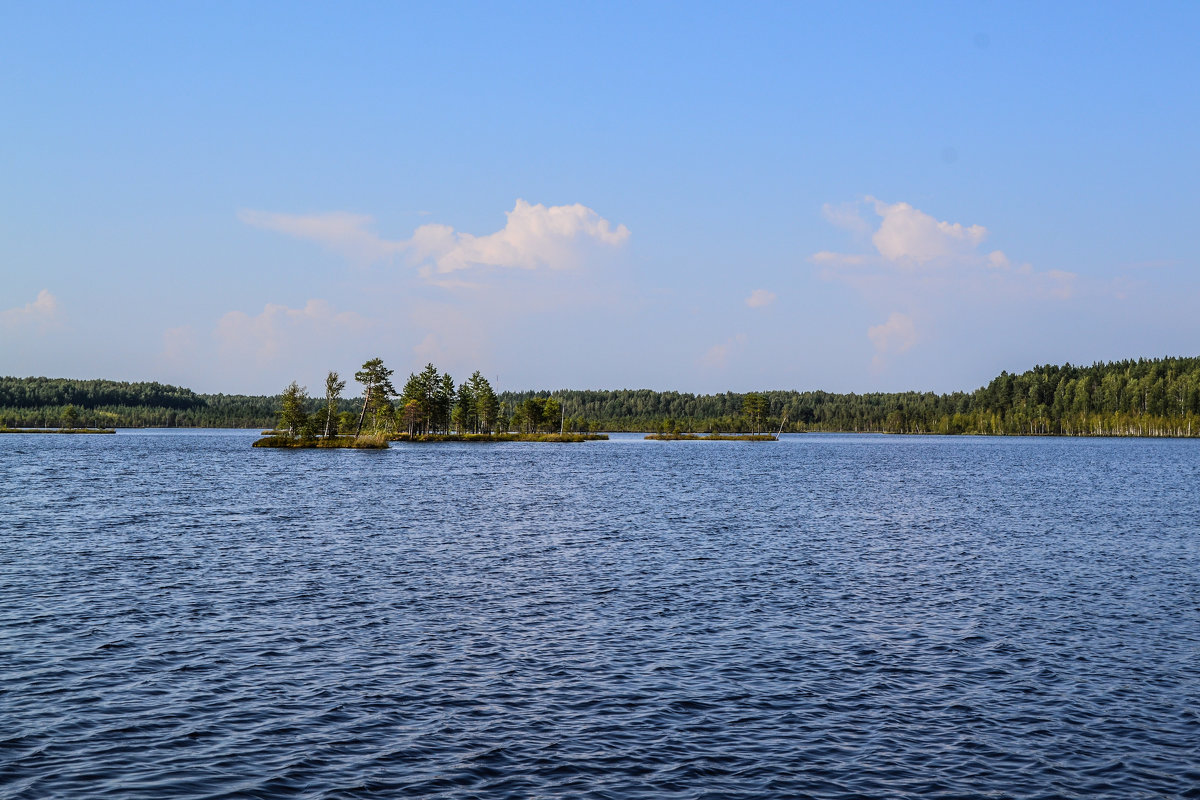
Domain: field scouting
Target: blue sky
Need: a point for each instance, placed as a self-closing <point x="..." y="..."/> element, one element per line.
<point x="702" y="197"/>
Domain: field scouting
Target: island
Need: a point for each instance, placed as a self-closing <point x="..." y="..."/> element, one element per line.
<point x="430" y="409"/>
<point x="70" y="424"/>
<point x="713" y="437"/>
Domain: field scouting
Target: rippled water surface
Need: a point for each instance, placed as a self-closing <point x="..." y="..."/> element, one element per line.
<point x="827" y="616"/>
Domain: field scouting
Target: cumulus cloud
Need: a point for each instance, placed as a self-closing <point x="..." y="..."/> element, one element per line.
<point x="718" y="355"/>
<point x="38" y="314"/>
<point x="278" y="329"/>
<point x="914" y="250"/>
<point x="533" y="237"/>
<point x="760" y="298"/>
<point x="907" y="235"/>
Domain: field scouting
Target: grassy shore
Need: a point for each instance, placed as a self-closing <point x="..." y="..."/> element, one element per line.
<point x="713" y="437"/>
<point x="322" y="443"/>
<point x="57" y="430"/>
<point x="501" y="437"/>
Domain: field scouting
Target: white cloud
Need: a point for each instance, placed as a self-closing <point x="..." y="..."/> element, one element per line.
<point x="915" y="252"/>
<point x="37" y="314"/>
<point x="718" y="355"/>
<point x="533" y="237"/>
<point x="909" y="235"/>
<point x="279" y="329"/>
<point x="760" y="298"/>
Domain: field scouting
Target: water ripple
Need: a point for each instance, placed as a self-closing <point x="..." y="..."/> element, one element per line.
<point x="829" y="617"/>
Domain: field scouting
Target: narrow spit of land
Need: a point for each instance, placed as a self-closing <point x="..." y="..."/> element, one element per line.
<point x="501" y="437"/>
<point x="324" y="443"/>
<point x="713" y="437"/>
<point x="57" y="430"/>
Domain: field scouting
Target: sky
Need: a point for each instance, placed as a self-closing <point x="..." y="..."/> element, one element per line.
<point x="687" y="196"/>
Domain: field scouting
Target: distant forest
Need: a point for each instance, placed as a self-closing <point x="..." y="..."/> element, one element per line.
<point x="1147" y="397"/>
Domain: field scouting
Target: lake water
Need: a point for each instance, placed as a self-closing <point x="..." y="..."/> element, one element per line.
<point x="827" y="617"/>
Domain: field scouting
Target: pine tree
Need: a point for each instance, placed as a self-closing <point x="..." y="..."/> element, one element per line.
<point x="377" y="389"/>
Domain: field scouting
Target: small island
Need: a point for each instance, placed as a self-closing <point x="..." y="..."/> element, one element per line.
<point x="70" y="424"/>
<point x="430" y="409"/>
<point x="713" y="437"/>
<point x="755" y="408"/>
<point x="57" y="430"/>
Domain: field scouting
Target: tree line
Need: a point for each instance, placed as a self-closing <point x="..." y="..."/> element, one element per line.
<point x="1146" y="397"/>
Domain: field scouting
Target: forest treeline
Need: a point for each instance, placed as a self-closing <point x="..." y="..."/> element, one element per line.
<point x="1146" y="397"/>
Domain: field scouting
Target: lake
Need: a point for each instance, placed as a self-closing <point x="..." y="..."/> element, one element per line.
<point x="827" y="616"/>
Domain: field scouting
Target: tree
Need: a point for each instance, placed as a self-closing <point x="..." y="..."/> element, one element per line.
<point x="333" y="393"/>
<point x="552" y="414"/>
<point x="377" y="389"/>
<point x="443" y="402"/>
<point x="531" y="413"/>
<point x="422" y="389"/>
<point x="755" y="406"/>
<point x="487" y="405"/>
<point x="411" y="416"/>
<point x="292" y="416"/>
<point x="466" y="414"/>
<point x="70" y="417"/>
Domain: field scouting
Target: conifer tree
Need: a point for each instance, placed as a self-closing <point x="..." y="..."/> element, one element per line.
<point x="377" y="389"/>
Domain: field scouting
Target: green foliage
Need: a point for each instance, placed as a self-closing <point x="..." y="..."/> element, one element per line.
<point x="369" y="442"/>
<point x="713" y="437"/>
<point x="57" y="430"/>
<point x="756" y="407"/>
<point x="378" y="392"/>
<point x="43" y="392"/>
<point x="333" y="393"/>
<point x="292" y="416"/>
<point x="1148" y="397"/>
<point x="500" y="437"/>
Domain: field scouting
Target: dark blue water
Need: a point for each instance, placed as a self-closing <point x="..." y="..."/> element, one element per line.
<point x="828" y="616"/>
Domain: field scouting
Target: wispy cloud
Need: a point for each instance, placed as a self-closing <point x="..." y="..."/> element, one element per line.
<point x="278" y="329"/>
<point x="37" y="315"/>
<point x="338" y="231"/>
<point x="896" y="335"/>
<point x="533" y="237"/>
<point x="718" y="356"/>
<point x="760" y="298"/>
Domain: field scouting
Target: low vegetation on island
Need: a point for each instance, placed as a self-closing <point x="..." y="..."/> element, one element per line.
<point x="1144" y="397"/>
<point x="70" y="423"/>
<point x="429" y="409"/>
<point x="755" y="409"/>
